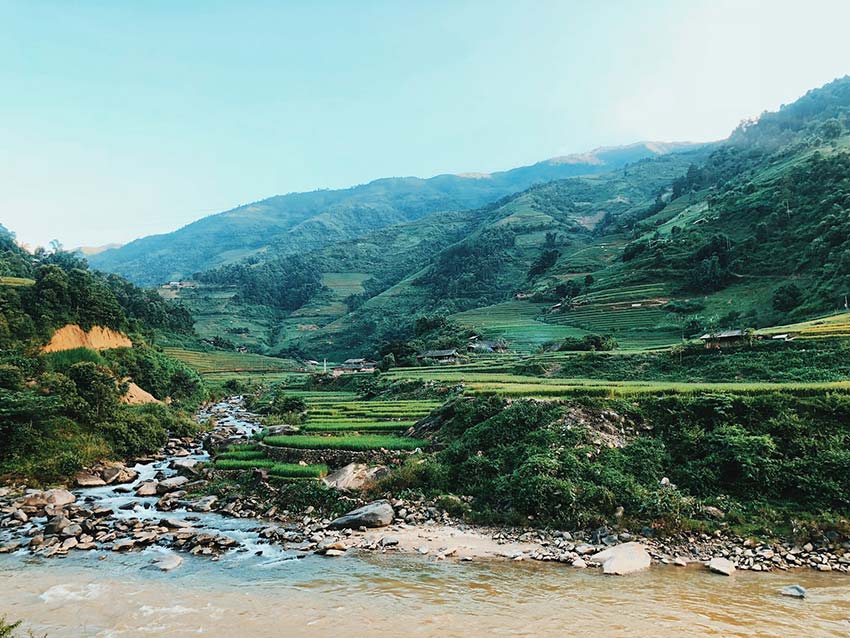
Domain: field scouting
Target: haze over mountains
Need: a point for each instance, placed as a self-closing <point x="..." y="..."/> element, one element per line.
<point x="297" y="222"/>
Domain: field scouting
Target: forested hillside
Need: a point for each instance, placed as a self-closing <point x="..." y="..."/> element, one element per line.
<point x="63" y="410"/>
<point x="294" y="223"/>
<point x="747" y="233"/>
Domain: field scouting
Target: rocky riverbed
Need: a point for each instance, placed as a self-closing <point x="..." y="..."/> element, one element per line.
<point x="158" y="502"/>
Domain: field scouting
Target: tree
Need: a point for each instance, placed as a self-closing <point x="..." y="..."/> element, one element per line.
<point x="96" y="386"/>
<point x="588" y="280"/>
<point x="787" y="297"/>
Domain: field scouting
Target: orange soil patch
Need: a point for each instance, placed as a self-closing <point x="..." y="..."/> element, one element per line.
<point x="98" y="338"/>
<point x="137" y="396"/>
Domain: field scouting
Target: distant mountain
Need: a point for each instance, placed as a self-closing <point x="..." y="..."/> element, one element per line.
<point x="302" y="221"/>
<point x="746" y="233"/>
<point x="89" y="251"/>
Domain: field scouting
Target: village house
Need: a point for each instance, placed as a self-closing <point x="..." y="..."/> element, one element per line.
<point x="440" y="356"/>
<point x="722" y="339"/>
<point x="353" y="366"/>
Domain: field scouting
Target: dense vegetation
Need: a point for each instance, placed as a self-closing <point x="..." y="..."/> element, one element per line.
<point x="574" y="464"/>
<point x="62" y="411"/>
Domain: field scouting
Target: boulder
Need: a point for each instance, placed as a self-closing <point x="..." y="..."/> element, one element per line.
<point x="55" y="524"/>
<point x="622" y="559"/>
<point x="794" y="591"/>
<point x="203" y="504"/>
<point x="354" y="476"/>
<point x="87" y="479"/>
<point x="374" y="514"/>
<point x="168" y="562"/>
<point x="148" y="488"/>
<point x="171" y="484"/>
<point x="54" y="497"/>
<point x="720" y="565"/>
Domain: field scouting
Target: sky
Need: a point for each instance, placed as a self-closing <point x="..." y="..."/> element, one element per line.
<point x="124" y="119"/>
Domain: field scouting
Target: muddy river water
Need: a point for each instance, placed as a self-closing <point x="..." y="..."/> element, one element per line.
<point x="263" y="592"/>
<point x="391" y="595"/>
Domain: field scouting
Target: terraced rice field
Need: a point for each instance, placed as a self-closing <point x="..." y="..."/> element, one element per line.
<point x="335" y="421"/>
<point x="225" y="362"/>
<point x="513" y="385"/>
<point x="519" y="322"/>
<point x="837" y="325"/>
<point x="632" y="314"/>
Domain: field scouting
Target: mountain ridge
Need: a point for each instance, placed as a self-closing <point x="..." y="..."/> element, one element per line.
<point x="306" y="220"/>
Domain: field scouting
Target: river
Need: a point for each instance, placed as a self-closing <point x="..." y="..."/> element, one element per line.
<point x="262" y="590"/>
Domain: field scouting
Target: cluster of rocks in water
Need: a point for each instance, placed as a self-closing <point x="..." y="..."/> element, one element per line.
<point x="56" y="522"/>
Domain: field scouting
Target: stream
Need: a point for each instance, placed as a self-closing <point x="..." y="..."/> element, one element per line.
<point x="260" y="590"/>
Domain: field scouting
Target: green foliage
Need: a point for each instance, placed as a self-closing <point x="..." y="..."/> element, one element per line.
<point x="160" y="374"/>
<point x="590" y="342"/>
<point x="530" y="459"/>
<point x="787" y="297"/>
<point x="283" y="282"/>
<point x="283" y="403"/>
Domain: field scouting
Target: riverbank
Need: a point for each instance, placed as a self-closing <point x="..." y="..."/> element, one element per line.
<point x="164" y="502"/>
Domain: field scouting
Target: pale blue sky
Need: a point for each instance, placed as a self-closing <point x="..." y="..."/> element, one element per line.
<point x="121" y="119"/>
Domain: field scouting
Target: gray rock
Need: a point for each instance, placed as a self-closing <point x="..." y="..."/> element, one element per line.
<point x="375" y="514"/>
<point x="171" y="484"/>
<point x="148" y="488"/>
<point x="720" y="565"/>
<point x="623" y="559"/>
<point x="794" y="591"/>
<point x="87" y="479"/>
<point x="168" y="562"/>
<point x="354" y="476"/>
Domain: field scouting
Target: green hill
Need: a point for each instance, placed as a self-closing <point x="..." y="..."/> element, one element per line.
<point x="66" y="409"/>
<point x="296" y="222"/>
<point x="746" y="233"/>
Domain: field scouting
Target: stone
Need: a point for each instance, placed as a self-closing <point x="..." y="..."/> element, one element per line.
<point x="203" y="504"/>
<point x="148" y="488"/>
<point x="578" y="563"/>
<point x="720" y="565"/>
<point x="171" y="484"/>
<point x="388" y="541"/>
<point x="168" y="562"/>
<point x="794" y="591"/>
<point x="354" y="476"/>
<point x="56" y="497"/>
<point x="714" y="512"/>
<point x="334" y="552"/>
<point x="374" y="514"/>
<point x="123" y="545"/>
<point x="55" y="524"/>
<point x="623" y="559"/>
<point x="680" y="562"/>
<point x="87" y="479"/>
<point x="584" y="549"/>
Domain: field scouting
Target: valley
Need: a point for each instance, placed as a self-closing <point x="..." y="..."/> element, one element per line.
<point x="629" y="362"/>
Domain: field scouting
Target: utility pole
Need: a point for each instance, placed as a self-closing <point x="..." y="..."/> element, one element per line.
<point x="325" y="366"/>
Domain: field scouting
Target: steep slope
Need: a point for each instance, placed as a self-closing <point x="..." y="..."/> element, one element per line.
<point x="301" y="221"/>
<point x="750" y="233"/>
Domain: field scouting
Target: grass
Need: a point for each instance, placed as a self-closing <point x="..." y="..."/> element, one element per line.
<point x="837" y="325"/>
<point x="283" y="470"/>
<point x="348" y="442"/>
<point x="356" y="426"/>
<point x="519" y="322"/>
<point x="224" y="362"/>
<point x="16" y="281"/>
